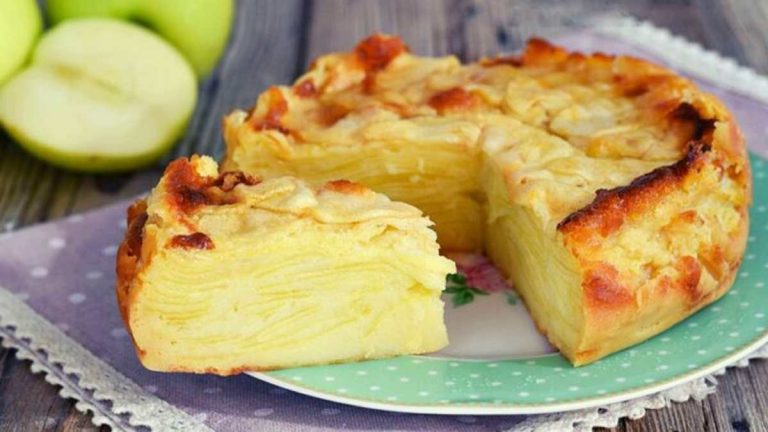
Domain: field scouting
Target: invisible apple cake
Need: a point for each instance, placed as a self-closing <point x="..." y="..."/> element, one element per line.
<point x="610" y="191"/>
<point x="221" y="272"/>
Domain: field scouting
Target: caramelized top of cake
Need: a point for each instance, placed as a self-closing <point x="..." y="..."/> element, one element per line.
<point x="192" y="188"/>
<point x="561" y="125"/>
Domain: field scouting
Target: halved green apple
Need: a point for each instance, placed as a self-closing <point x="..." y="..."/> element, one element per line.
<point x="198" y="28"/>
<point x="100" y="95"/>
<point x="20" y="25"/>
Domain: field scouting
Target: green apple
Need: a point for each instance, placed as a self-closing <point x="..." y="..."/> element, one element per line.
<point x="20" y="25"/>
<point x="100" y="95"/>
<point x="198" y="28"/>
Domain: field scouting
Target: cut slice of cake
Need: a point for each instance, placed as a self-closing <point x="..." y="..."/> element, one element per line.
<point x="612" y="192"/>
<point x="223" y="273"/>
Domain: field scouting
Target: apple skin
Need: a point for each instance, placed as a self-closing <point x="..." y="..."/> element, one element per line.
<point x="94" y="164"/>
<point x="20" y="25"/>
<point x="198" y="28"/>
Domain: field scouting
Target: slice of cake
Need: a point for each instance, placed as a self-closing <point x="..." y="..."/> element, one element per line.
<point x="612" y="192"/>
<point x="222" y="273"/>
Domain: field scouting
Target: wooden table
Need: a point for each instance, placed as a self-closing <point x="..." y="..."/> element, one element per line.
<point x="274" y="41"/>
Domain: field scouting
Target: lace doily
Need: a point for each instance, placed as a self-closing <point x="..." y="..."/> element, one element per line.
<point x="113" y="399"/>
<point x="686" y="56"/>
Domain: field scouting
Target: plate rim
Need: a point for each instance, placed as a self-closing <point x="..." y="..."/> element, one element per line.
<point x="510" y="408"/>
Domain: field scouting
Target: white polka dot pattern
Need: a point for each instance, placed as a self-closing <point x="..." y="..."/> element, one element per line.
<point x="76" y="298"/>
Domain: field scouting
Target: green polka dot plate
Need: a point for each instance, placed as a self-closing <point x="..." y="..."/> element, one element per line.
<point x="497" y="363"/>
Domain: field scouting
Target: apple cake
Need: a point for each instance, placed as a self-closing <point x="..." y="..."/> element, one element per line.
<point x="610" y="191"/>
<point x="221" y="272"/>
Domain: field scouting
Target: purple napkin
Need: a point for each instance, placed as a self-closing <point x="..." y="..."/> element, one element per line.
<point x="64" y="272"/>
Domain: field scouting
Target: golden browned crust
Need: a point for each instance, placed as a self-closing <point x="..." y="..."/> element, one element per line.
<point x="129" y="253"/>
<point x="305" y="89"/>
<point x="610" y="208"/>
<point x="457" y="99"/>
<point x="187" y="190"/>
<point x="272" y="119"/>
<point x="612" y="301"/>
<point x="375" y="53"/>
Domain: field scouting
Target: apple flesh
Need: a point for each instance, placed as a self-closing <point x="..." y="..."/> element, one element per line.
<point x="198" y="28"/>
<point x="20" y="25"/>
<point x="100" y="95"/>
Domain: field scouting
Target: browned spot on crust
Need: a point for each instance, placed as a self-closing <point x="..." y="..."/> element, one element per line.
<point x="185" y="187"/>
<point x="277" y="106"/>
<point x="688" y="216"/>
<point x="540" y="52"/>
<point x="328" y="114"/>
<point x="195" y="240"/>
<point x="134" y="235"/>
<point x="455" y="99"/>
<point x="610" y="208"/>
<point x="636" y="90"/>
<point x="228" y="180"/>
<point x="137" y="217"/>
<point x="305" y="89"/>
<point x="187" y="190"/>
<point x="375" y="52"/>
<point x="680" y="223"/>
<point x="689" y="276"/>
<point x="637" y="85"/>
<point x="714" y="261"/>
<point x="129" y="253"/>
<point x="687" y="113"/>
<point x="514" y="61"/>
<point x="602" y="287"/>
<point x="345" y="187"/>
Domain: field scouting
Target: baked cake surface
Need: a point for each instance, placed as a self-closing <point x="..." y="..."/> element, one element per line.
<point x="610" y="191"/>
<point x="222" y="272"/>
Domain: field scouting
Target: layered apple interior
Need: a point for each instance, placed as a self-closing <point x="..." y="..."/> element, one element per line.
<point x="610" y="191"/>
<point x="222" y="272"/>
<point x="427" y="162"/>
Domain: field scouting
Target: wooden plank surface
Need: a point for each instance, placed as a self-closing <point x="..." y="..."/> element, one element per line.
<point x="274" y="41"/>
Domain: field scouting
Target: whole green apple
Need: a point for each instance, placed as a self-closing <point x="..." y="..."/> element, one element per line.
<point x="198" y="28"/>
<point x="100" y="95"/>
<point x="20" y="25"/>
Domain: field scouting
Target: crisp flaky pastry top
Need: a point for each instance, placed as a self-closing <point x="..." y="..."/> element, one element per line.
<point x="193" y="189"/>
<point x="194" y="203"/>
<point x="561" y="125"/>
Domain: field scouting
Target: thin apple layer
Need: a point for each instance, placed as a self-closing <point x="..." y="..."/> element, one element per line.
<point x="229" y="274"/>
<point x="425" y="162"/>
